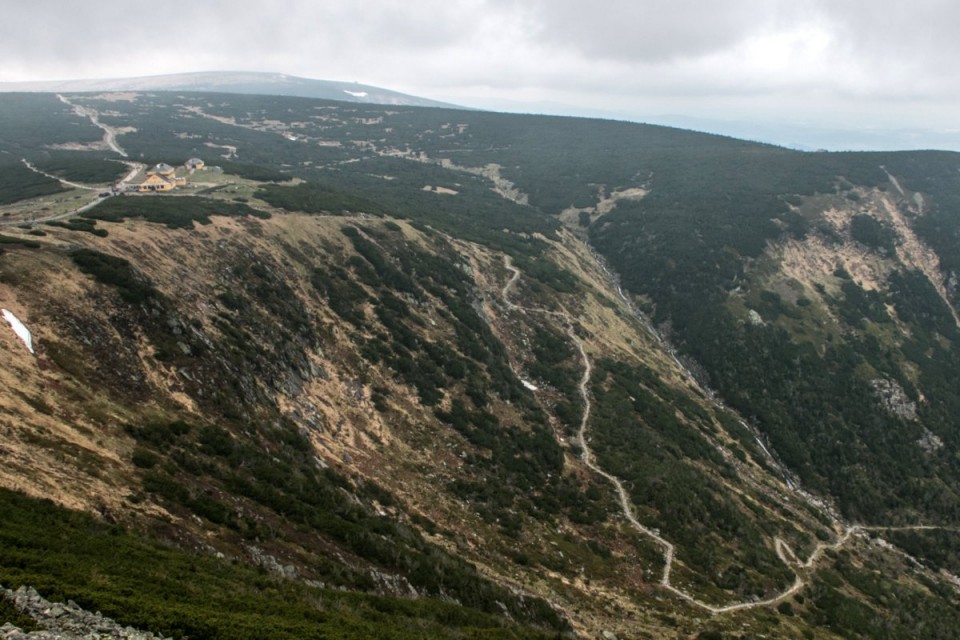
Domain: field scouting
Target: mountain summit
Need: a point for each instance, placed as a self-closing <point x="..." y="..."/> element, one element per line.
<point x="243" y="82"/>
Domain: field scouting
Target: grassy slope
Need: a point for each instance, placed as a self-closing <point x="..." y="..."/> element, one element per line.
<point x="714" y="206"/>
<point x="149" y="584"/>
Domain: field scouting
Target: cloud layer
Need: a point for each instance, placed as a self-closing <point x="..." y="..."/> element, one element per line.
<point x="885" y="61"/>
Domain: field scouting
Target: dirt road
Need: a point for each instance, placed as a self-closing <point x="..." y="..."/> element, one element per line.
<point x="109" y="133"/>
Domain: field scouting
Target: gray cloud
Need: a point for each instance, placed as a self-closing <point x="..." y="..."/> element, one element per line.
<point x="828" y="58"/>
<point x="653" y="30"/>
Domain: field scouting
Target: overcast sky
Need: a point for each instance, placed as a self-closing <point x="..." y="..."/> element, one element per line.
<point x="839" y="63"/>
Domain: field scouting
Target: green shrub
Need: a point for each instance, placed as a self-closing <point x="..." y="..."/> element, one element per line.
<point x="29" y="244"/>
<point x="869" y="231"/>
<point x="145" y="459"/>
<point x="176" y="212"/>
<point x="153" y="585"/>
<point x="116" y="272"/>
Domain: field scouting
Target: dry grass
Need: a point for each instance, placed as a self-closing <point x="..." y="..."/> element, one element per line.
<point x="79" y="455"/>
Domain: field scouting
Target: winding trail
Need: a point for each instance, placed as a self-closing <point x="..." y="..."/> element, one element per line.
<point x="783" y="550"/>
<point x="109" y="133"/>
<point x="135" y="168"/>
<point x="102" y="192"/>
<point x="75" y="185"/>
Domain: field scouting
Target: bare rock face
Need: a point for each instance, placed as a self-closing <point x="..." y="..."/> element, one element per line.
<point x="894" y="399"/>
<point x="953" y="286"/>
<point x="59" y="621"/>
<point x="930" y="442"/>
<point x="270" y="563"/>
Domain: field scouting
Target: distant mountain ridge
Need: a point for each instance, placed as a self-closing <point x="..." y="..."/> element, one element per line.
<point x="243" y="82"/>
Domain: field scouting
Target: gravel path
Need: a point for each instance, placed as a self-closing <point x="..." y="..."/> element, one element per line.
<point x="783" y="550"/>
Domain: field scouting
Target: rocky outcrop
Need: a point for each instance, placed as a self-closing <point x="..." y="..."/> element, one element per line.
<point x="930" y="442"/>
<point x="68" y="621"/>
<point x="263" y="559"/>
<point x="894" y="399"/>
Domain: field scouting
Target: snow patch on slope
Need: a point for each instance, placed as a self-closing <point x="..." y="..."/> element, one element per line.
<point x="19" y="328"/>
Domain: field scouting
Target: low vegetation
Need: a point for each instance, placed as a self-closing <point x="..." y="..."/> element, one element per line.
<point x="116" y="272"/>
<point x="848" y="377"/>
<point x="151" y="585"/>
<point x="648" y="435"/>
<point x="17" y="182"/>
<point x="173" y="212"/>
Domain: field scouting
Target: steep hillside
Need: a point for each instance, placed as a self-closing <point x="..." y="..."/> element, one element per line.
<point x="379" y="367"/>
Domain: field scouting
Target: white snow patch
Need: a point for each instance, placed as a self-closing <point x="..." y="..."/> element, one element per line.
<point x="19" y="328"/>
<point x="442" y="190"/>
<point x="356" y="94"/>
<point x="529" y="385"/>
<point x="760" y="442"/>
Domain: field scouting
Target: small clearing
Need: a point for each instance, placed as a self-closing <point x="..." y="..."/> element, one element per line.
<point x="605" y="204"/>
<point x="442" y="190"/>
<point x="813" y="260"/>
<point x="503" y="187"/>
<point x="231" y="150"/>
<point x="117" y="96"/>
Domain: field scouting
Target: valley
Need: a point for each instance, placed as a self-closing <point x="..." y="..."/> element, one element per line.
<point x="843" y="532"/>
<point x="690" y="387"/>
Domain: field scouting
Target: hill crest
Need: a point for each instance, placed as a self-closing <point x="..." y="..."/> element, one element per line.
<point x="242" y="82"/>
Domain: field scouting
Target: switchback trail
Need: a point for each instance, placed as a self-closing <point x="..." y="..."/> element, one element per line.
<point x="783" y="550"/>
